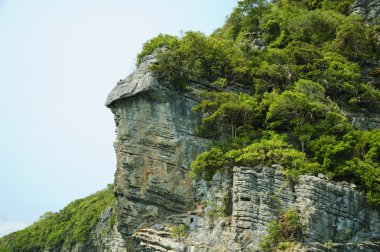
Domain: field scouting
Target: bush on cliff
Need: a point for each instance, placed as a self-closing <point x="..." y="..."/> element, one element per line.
<point x="288" y="228"/>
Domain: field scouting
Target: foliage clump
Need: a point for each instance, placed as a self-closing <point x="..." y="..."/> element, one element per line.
<point x="195" y="56"/>
<point x="179" y="231"/>
<point x="288" y="228"/>
<point x="70" y="226"/>
<point x="218" y="209"/>
<point x="312" y="40"/>
<point x="306" y="132"/>
<point x="161" y="41"/>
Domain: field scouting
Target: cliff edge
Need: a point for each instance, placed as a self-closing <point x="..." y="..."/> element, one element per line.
<point x="160" y="208"/>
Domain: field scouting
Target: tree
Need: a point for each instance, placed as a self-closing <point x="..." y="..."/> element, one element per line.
<point x="245" y="18"/>
<point x="228" y="110"/>
<point x="306" y="112"/>
<point x="162" y="40"/>
<point x="354" y="39"/>
<point x="338" y="76"/>
<point x="314" y="27"/>
<point x="196" y="56"/>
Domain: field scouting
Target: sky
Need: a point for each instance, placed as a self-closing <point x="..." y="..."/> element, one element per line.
<point x="58" y="61"/>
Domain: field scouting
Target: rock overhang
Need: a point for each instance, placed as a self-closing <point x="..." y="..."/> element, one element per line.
<point x="141" y="80"/>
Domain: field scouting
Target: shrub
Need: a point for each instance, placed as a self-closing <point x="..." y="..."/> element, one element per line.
<point x="179" y="231"/>
<point x="288" y="228"/>
<point x="267" y="150"/>
<point x="162" y="40"/>
<point x="196" y="56"/>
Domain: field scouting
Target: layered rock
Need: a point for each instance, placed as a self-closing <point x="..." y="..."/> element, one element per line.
<point x="332" y="212"/>
<point x="364" y="120"/>
<point x="335" y="216"/>
<point x="369" y="9"/>
<point x="155" y="144"/>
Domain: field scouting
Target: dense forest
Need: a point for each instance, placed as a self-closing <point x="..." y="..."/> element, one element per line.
<point x="304" y="67"/>
<point x="75" y="224"/>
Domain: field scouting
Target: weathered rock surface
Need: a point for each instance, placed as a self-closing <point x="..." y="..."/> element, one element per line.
<point x="107" y="241"/>
<point x="364" y="120"/>
<point x="369" y="9"/>
<point x="331" y="211"/>
<point x="103" y="242"/>
<point x="154" y="146"/>
<point x="336" y="216"/>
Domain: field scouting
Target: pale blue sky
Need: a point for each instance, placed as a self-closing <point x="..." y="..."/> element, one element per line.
<point x="58" y="61"/>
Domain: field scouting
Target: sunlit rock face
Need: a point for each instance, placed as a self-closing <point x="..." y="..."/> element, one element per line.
<point x="332" y="212"/>
<point x="155" y="145"/>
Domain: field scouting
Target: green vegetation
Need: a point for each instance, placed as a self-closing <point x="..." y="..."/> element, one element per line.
<point x="196" y="56"/>
<point x="179" y="231"/>
<point x="216" y="210"/>
<point x="288" y="228"/>
<point x="227" y="109"/>
<point x="160" y="41"/>
<point x="300" y="63"/>
<point x="72" y="225"/>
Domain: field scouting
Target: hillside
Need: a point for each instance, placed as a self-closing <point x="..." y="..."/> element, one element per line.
<point x="263" y="136"/>
<point x="73" y="227"/>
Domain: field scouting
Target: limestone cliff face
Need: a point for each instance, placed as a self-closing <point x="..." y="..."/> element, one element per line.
<point x="331" y="211"/>
<point x="155" y="145"/>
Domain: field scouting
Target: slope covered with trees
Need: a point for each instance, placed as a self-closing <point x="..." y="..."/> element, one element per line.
<point x="301" y="64"/>
<point x="65" y="229"/>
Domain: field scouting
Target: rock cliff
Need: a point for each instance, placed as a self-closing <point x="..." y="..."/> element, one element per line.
<point x="155" y="145"/>
<point x="367" y="8"/>
<point x="160" y="208"/>
<point x="330" y="211"/>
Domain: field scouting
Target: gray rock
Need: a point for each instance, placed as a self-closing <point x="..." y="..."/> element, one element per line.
<point x="369" y="9"/>
<point x="330" y="211"/>
<point x="155" y="145"/>
<point x="158" y="227"/>
<point x="364" y="120"/>
<point x="139" y="81"/>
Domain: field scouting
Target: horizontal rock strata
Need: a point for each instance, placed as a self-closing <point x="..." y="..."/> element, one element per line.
<point x="332" y="212"/>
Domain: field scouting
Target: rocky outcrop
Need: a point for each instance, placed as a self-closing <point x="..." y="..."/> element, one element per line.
<point x="101" y="241"/>
<point x="364" y="120"/>
<point x="106" y="240"/>
<point x="335" y="216"/>
<point x="369" y="9"/>
<point x="155" y="144"/>
<point x="332" y="212"/>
